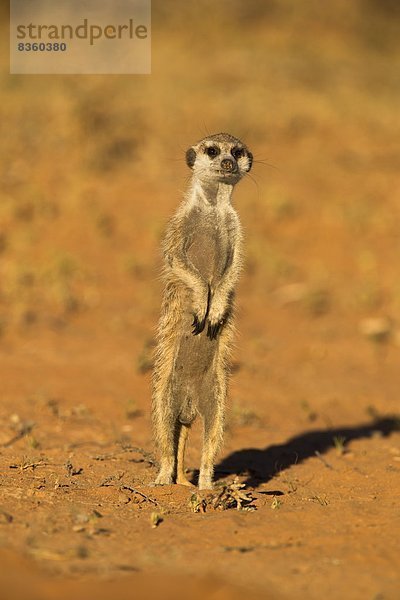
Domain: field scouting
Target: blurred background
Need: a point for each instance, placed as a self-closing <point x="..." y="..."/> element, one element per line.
<point x="91" y="169"/>
<point x="92" y="166"/>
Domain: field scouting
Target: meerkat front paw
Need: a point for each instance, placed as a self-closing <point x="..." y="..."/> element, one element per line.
<point x="216" y="315"/>
<point x="197" y="325"/>
<point x="200" y="306"/>
<point x="213" y="329"/>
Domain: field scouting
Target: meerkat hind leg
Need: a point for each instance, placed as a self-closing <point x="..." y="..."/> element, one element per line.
<point x="166" y="439"/>
<point x="167" y="468"/>
<point x="180" y="464"/>
<point x="213" y="428"/>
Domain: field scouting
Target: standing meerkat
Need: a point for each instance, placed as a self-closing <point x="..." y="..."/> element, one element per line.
<point x="202" y="252"/>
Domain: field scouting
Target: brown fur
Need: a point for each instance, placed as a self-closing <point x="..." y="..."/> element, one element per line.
<point x="202" y="250"/>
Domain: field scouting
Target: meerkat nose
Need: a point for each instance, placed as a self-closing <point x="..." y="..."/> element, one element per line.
<point x="228" y="164"/>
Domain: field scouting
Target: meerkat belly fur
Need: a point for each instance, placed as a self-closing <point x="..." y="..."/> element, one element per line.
<point x="202" y="253"/>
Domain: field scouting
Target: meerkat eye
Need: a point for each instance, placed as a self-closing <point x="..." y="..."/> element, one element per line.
<point x="212" y="151"/>
<point x="237" y="153"/>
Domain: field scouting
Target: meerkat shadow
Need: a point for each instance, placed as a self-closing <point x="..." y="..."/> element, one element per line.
<point x="260" y="465"/>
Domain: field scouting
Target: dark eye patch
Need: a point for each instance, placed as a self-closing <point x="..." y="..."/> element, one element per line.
<point x="212" y="151"/>
<point x="237" y="153"/>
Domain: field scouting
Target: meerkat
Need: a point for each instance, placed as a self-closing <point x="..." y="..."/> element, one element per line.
<point x="202" y="262"/>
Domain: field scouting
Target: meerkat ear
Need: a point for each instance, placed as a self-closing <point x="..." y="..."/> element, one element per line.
<point x="250" y="159"/>
<point x="190" y="157"/>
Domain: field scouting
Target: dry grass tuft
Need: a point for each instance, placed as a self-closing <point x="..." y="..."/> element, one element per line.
<point x="232" y="495"/>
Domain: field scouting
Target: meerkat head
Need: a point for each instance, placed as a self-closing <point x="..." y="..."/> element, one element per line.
<point x="219" y="158"/>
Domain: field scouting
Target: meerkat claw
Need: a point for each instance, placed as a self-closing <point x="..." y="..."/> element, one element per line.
<point x="197" y="325"/>
<point x="213" y="330"/>
<point x="210" y="331"/>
